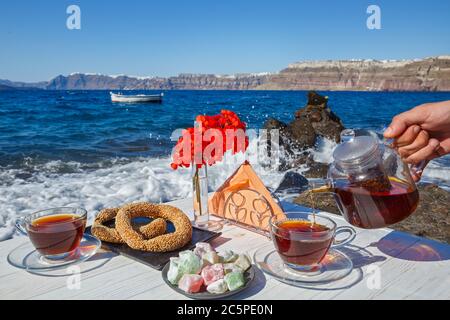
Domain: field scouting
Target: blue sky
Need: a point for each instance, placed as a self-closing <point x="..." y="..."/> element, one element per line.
<point x="168" y="37"/>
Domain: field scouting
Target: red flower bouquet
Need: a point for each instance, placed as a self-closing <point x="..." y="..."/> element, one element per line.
<point x="206" y="144"/>
<point x="212" y="137"/>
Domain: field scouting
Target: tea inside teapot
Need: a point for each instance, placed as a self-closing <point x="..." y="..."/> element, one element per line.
<point x="367" y="208"/>
<point x="373" y="187"/>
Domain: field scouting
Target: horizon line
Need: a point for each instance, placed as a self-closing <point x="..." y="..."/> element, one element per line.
<point x="237" y="74"/>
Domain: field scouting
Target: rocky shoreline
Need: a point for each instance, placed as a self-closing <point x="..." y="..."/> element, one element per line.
<point x="297" y="140"/>
<point x="430" y="220"/>
<point x="429" y="74"/>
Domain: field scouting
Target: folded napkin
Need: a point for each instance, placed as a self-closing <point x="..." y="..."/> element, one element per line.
<point x="250" y="202"/>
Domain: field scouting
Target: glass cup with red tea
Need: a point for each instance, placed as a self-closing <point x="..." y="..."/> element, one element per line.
<point x="303" y="239"/>
<point x="55" y="233"/>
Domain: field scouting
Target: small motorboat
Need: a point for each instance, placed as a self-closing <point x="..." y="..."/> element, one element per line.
<point x="118" y="97"/>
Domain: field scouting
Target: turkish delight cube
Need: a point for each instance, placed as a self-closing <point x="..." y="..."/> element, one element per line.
<point x="201" y="248"/>
<point x="243" y="261"/>
<point x="189" y="263"/>
<point x="228" y="256"/>
<point x="212" y="273"/>
<point x="231" y="267"/>
<point x="174" y="274"/>
<point x="219" y="286"/>
<point x="234" y="280"/>
<point x="190" y="283"/>
<point x="210" y="257"/>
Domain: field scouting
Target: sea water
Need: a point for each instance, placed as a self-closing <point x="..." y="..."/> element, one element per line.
<point x="77" y="148"/>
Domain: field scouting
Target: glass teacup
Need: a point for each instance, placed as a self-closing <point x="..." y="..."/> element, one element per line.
<point x="303" y="239"/>
<point x="55" y="233"/>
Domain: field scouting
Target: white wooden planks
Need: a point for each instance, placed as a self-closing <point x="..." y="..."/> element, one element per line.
<point x="410" y="268"/>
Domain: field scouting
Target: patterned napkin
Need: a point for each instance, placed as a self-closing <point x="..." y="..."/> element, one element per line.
<point x="243" y="198"/>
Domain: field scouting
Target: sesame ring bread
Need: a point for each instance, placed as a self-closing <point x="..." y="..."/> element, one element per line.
<point x="162" y="243"/>
<point x="155" y="228"/>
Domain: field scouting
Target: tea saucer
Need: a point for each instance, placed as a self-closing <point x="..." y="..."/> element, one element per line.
<point x="26" y="256"/>
<point x="335" y="266"/>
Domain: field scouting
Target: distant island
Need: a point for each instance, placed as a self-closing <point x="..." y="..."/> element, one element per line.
<point x="429" y="74"/>
<point x="4" y="87"/>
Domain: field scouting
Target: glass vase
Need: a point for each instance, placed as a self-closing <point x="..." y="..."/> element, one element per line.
<point x="200" y="195"/>
<point x="200" y="199"/>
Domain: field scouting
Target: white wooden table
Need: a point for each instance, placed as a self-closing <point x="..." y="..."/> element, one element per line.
<point x="388" y="265"/>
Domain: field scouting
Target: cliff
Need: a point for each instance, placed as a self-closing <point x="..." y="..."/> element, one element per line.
<point x="13" y="85"/>
<point x="4" y="87"/>
<point x="80" y="81"/>
<point x="430" y="74"/>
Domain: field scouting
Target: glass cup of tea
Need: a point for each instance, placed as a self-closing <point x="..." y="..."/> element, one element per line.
<point x="55" y="233"/>
<point x="303" y="239"/>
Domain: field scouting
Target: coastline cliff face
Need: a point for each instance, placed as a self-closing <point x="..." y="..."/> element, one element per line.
<point x="80" y="81"/>
<point x="430" y="74"/>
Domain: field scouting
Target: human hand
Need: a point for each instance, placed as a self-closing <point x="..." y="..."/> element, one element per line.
<point x="422" y="133"/>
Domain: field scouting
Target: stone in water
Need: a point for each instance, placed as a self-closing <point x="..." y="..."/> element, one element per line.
<point x="219" y="286"/>
<point x="234" y="280"/>
<point x="190" y="283"/>
<point x="212" y="273"/>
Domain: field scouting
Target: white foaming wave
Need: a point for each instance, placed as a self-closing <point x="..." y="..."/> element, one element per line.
<point x="142" y="180"/>
<point x="437" y="173"/>
<point x="323" y="151"/>
<point x="120" y="182"/>
<point x="149" y="180"/>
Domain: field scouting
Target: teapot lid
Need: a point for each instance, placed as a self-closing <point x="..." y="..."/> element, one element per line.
<point x="355" y="150"/>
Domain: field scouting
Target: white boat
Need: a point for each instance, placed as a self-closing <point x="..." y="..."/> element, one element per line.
<point x="118" y="97"/>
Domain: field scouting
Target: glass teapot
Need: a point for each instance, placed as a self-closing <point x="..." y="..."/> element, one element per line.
<point x="372" y="186"/>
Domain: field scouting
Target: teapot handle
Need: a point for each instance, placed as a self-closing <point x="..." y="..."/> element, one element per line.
<point x="415" y="169"/>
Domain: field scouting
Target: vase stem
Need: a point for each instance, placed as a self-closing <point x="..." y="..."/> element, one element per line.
<point x="200" y="196"/>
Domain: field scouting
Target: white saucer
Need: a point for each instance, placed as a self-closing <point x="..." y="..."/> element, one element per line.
<point x="335" y="266"/>
<point x="26" y="257"/>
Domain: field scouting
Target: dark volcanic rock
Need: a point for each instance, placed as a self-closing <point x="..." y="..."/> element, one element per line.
<point x="298" y="137"/>
<point x="275" y="124"/>
<point x="302" y="133"/>
<point x="292" y="182"/>
<point x="322" y="201"/>
<point x="285" y="133"/>
<point x="431" y="219"/>
<point x="314" y="120"/>
<point x="316" y="170"/>
<point x="323" y="121"/>
<point x="285" y="138"/>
